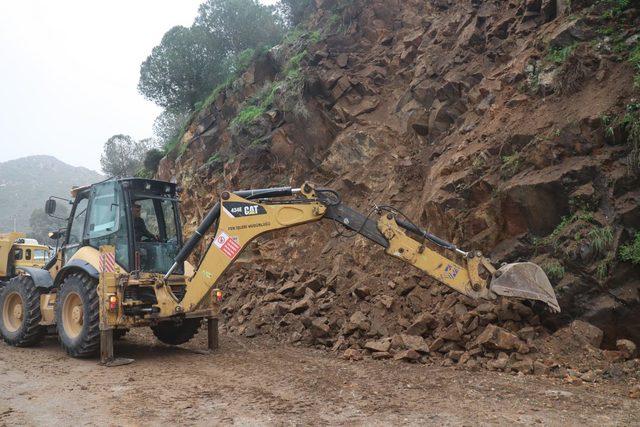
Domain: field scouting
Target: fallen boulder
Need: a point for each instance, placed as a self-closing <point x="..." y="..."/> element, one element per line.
<point x="497" y="338"/>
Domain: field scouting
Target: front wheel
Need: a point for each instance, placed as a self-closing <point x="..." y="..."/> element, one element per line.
<point x="78" y="316"/>
<point x="20" y="312"/>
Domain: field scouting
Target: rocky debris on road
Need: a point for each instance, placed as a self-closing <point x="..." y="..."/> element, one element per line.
<point x="432" y="325"/>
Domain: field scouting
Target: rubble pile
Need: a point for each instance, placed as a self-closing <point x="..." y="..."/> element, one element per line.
<point x="413" y="321"/>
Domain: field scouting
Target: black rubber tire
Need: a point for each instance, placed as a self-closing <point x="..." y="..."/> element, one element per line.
<point x="176" y="332"/>
<point x="87" y="342"/>
<point x="30" y="332"/>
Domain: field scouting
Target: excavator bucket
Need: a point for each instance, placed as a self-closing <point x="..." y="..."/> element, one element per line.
<point x="524" y="280"/>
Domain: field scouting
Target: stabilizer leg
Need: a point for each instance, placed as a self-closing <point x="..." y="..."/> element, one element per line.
<point x="212" y="334"/>
<point x="106" y="351"/>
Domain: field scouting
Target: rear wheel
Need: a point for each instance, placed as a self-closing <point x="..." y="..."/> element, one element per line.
<point x="176" y="332"/>
<point x="77" y="316"/>
<point x="20" y="312"/>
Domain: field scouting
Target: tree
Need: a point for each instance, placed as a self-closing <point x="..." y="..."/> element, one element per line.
<point x="168" y="125"/>
<point x="182" y="69"/>
<point x="123" y="156"/>
<point x="240" y="24"/>
<point x="189" y="62"/>
<point x="152" y="160"/>
<point x="295" y="10"/>
<point x="41" y="223"/>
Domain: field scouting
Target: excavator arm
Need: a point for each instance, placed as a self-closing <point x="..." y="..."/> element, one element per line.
<point x="242" y="216"/>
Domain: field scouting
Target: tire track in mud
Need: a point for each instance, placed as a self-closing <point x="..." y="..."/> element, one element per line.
<point x="261" y="382"/>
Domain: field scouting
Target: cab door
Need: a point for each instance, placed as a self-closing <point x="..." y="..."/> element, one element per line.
<point x="107" y="220"/>
<point x="75" y="229"/>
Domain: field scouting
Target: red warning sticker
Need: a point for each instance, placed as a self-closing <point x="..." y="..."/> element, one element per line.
<point x="227" y="245"/>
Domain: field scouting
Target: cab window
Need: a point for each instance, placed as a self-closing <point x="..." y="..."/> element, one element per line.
<point x="106" y="224"/>
<point x="41" y="255"/>
<point x="27" y="255"/>
<point x="155" y="228"/>
<point x="18" y="254"/>
<point x="104" y="216"/>
<point x="77" y="226"/>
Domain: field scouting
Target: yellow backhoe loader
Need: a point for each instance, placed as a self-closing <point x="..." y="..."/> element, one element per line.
<point x="16" y="252"/>
<point x="123" y="264"/>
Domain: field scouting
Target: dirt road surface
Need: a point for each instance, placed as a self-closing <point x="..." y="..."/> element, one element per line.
<point x="261" y="382"/>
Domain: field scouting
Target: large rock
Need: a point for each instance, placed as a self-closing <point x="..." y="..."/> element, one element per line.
<point x="497" y="338"/>
<point x="537" y="201"/>
<point x="441" y="119"/>
<point x="315" y="284"/>
<point x="627" y="348"/>
<point x="414" y="342"/>
<point x="425" y="93"/>
<point x="341" y="87"/>
<point x="419" y="122"/>
<point x="414" y="39"/>
<point x="300" y="306"/>
<point x="352" y="354"/>
<point x="587" y="332"/>
<point x="407" y="356"/>
<point x="569" y="33"/>
<point x="382" y="345"/>
<point x="472" y="36"/>
<point x="357" y="321"/>
<point x="422" y="324"/>
<point x="319" y="328"/>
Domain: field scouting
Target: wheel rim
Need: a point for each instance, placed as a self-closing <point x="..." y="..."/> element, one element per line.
<point x="13" y="312"/>
<point x="72" y="315"/>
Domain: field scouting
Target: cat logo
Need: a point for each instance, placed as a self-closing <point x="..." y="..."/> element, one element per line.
<point x="240" y="209"/>
<point x="251" y="210"/>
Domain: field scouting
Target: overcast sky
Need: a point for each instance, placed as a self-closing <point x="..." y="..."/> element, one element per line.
<point x="69" y="72"/>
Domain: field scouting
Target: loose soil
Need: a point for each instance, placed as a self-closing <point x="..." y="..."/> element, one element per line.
<point x="262" y="382"/>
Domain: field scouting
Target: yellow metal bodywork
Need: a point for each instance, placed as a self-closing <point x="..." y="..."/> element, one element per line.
<point x="6" y="251"/>
<point x="465" y="280"/>
<point x="47" y="309"/>
<point x="33" y="262"/>
<point x="107" y="288"/>
<point x="114" y="283"/>
<point x="243" y="230"/>
<point x="9" y="245"/>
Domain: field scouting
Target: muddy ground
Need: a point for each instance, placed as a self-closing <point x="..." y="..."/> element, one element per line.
<point x="261" y="382"/>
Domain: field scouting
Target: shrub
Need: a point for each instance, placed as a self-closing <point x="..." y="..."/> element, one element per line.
<point x="511" y="165"/>
<point x="554" y="270"/>
<point x="601" y="239"/>
<point x="560" y="54"/>
<point x="631" y="251"/>
<point x="247" y="115"/>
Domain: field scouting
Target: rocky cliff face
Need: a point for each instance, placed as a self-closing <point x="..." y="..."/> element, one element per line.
<point x="505" y="126"/>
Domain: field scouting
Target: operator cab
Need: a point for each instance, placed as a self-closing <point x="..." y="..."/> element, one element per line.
<point x="155" y="224"/>
<point x="139" y="217"/>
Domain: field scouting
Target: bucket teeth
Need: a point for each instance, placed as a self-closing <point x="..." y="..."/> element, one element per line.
<point x="524" y="280"/>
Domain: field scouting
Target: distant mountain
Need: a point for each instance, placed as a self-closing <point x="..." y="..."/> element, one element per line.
<point x="26" y="183"/>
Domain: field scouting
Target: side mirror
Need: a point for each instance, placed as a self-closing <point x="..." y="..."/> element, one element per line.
<point x="55" y="235"/>
<point x="50" y="207"/>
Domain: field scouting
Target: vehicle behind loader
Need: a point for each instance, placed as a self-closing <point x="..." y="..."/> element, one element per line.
<point x="122" y="263"/>
<point x="16" y="251"/>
